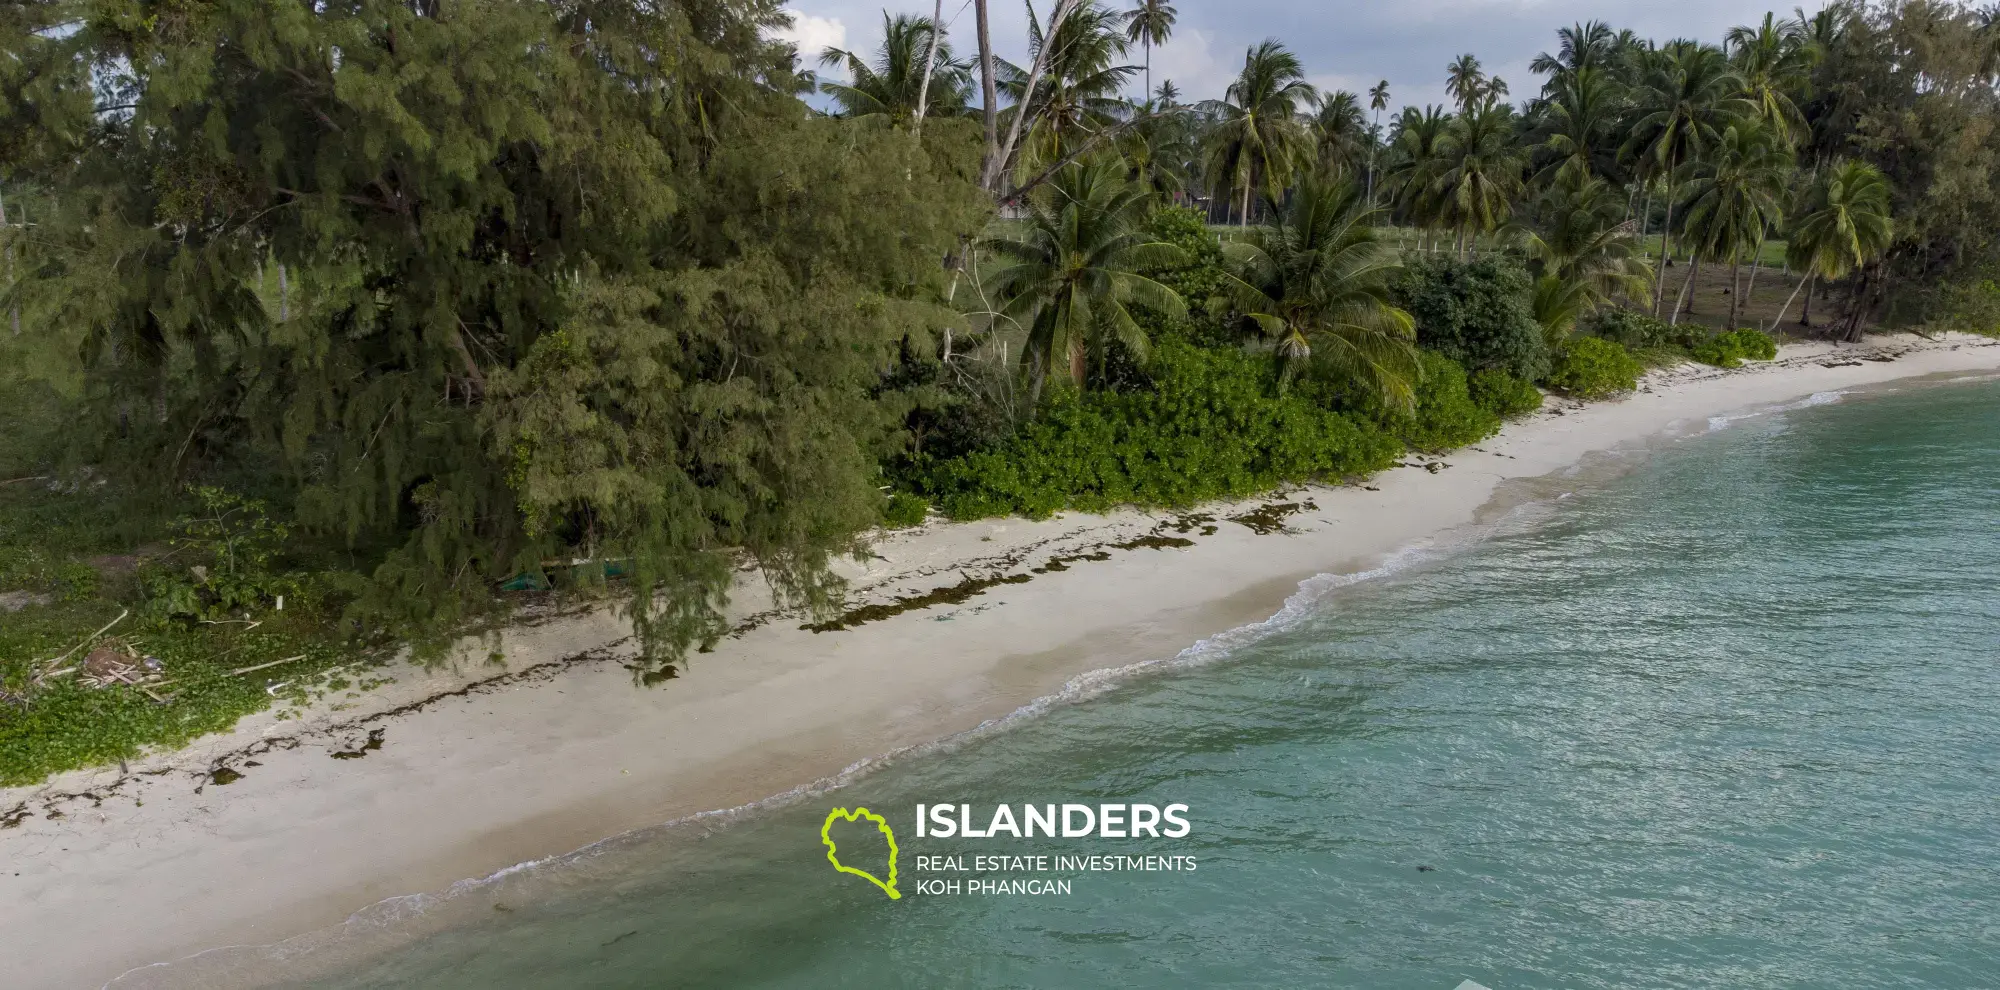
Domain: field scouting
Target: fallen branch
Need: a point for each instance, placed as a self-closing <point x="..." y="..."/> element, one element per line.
<point x="93" y="636"/>
<point x="16" y="481"/>
<point x="261" y="666"/>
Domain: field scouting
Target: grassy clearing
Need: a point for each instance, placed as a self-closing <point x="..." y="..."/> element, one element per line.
<point x="68" y="559"/>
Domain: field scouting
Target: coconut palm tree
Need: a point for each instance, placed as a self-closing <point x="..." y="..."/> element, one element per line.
<point x="1342" y="131"/>
<point x="1690" y="95"/>
<point x="1773" y="63"/>
<point x="1259" y="140"/>
<point x="892" y="84"/>
<point x="1738" y="190"/>
<point x="1378" y="101"/>
<point x="1581" y="113"/>
<point x="1843" y="223"/>
<point x="1589" y="45"/>
<point x="1477" y="174"/>
<point x="1465" y="81"/>
<point x="1069" y="272"/>
<point x="1316" y="281"/>
<point x="1419" y="136"/>
<point x="1582" y="251"/>
<point x="1150" y="22"/>
<point x="1078" y="94"/>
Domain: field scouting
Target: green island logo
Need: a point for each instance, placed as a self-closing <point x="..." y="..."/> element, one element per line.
<point x="833" y="852"/>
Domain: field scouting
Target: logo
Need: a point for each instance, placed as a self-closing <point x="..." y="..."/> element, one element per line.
<point x="833" y="851"/>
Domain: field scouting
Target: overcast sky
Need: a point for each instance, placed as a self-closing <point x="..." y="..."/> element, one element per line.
<point x="1346" y="44"/>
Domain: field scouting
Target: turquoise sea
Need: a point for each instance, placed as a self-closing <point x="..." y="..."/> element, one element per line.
<point x="1729" y="717"/>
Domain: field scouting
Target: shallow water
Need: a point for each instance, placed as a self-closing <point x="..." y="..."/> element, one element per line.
<point x="1731" y="719"/>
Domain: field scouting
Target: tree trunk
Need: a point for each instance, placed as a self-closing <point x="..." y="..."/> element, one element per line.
<point x="1243" y="219"/>
<point x="1805" y="315"/>
<point x="7" y="273"/>
<point x="1755" y="263"/>
<point x="1687" y="289"/>
<point x="1735" y="287"/>
<point x="996" y="168"/>
<point x="284" y="297"/>
<point x="1147" y="96"/>
<point x="1788" y="305"/>
<point x="1660" y="283"/>
<point x="930" y="64"/>
<point x="988" y="90"/>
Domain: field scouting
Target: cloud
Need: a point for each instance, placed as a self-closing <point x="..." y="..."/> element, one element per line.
<point x="813" y="34"/>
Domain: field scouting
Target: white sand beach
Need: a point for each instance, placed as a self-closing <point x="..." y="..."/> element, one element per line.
<point x="458" y="773"/>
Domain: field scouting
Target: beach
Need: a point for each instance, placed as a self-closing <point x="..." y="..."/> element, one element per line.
<point x="458" y="773"/>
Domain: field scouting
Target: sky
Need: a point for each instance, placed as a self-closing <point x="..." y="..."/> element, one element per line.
<point x="1345" y="44"/>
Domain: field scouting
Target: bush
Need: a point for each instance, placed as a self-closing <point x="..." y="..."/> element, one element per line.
<point x="1211" y="426"/>
<point x="905" y="510"/>
<point x="1641" y="331"/>
<point x="1502" y="394"/>
<point x="1593" y="368"/>
<point x="1195" y="282"/>
<point x="1445" y="416"/>
<point x="1727" y="350"/>
<point x="1480" y="314"/>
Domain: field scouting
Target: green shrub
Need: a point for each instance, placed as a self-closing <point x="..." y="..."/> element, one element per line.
<point x="1480" y="314"/>
<point x="1210" y="426"/>
<point x="905" y="510"/>
<point x="1641" y="331"/>
<point x="1502" y="394"/>
<point x="1727" y="350"/>
<point x="223" y="564"/>
<point x="1593" y="368"/>
<point x="1445" y="416"/>
<point x="1198" y="280"/>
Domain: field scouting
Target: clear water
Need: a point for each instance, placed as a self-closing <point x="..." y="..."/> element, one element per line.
<point x="1731" y="719"/>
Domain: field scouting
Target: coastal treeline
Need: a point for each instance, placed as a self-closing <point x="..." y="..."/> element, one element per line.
<point x="401" y="310"/>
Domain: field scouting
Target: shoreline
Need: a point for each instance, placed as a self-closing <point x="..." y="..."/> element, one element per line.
<point x="471" y="772"/>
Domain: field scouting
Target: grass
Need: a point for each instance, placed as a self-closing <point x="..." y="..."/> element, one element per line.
<point x="73" y="553"/>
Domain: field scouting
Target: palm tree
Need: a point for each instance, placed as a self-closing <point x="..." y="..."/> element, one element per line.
<point x="1690" y="95"/>
<point x="1465" y="81"/>
<point x="1774" y="63"/>
<point x="1341" y="130"/>
<point x="1477" y="174"/>
<point x="1740" y="189"/>
<point x="1150" y="22"/>
<point x="1581" y="112"/>
<point x="1070" y="270"/>
<point x="1077" y="96"/>
<point x="1842" y="224"/>
<point x="1589" y="45"/>
<point x="892" y="85"/>
<point x="1378" y="101"/>
<point x="1413" y="153"/>
<point x="1317" y="276"/>
<point x="1259" y="141"/>
<point x="1582" y="252"/>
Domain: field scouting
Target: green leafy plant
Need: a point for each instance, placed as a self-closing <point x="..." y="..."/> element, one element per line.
<point x="1641" y="331"/>
<point x="905" y="510"/>
<point x="1443" y="415"/>
<point x="1480" y="314"/>
<point x="1502" y="394"/>
<point x="1594" y="368"/>
<point x="1727" y="350"/>
<point x="222" y="561"/>
<point x="1210" y="426"/>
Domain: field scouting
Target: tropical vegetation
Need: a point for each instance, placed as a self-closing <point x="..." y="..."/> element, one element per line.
<point x="337" y="328"/>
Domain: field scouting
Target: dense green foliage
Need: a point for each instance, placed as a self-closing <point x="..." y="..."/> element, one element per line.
<point x="1502" y="394"/>
<point x="1637" y="331"/>
<point x="1594" y="368"/>
<point x="1727" y="350"/>
<point x="1477" y="313"/>
<point x="1212" y="425"/>
<point x="1445" y="415"/>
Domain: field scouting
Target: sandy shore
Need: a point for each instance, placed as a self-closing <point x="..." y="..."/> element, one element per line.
<point x="472" y="770"/>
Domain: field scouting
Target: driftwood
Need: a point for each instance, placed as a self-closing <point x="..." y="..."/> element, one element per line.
<point x="92" y="638"/>
<point x="261" y="666"/>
